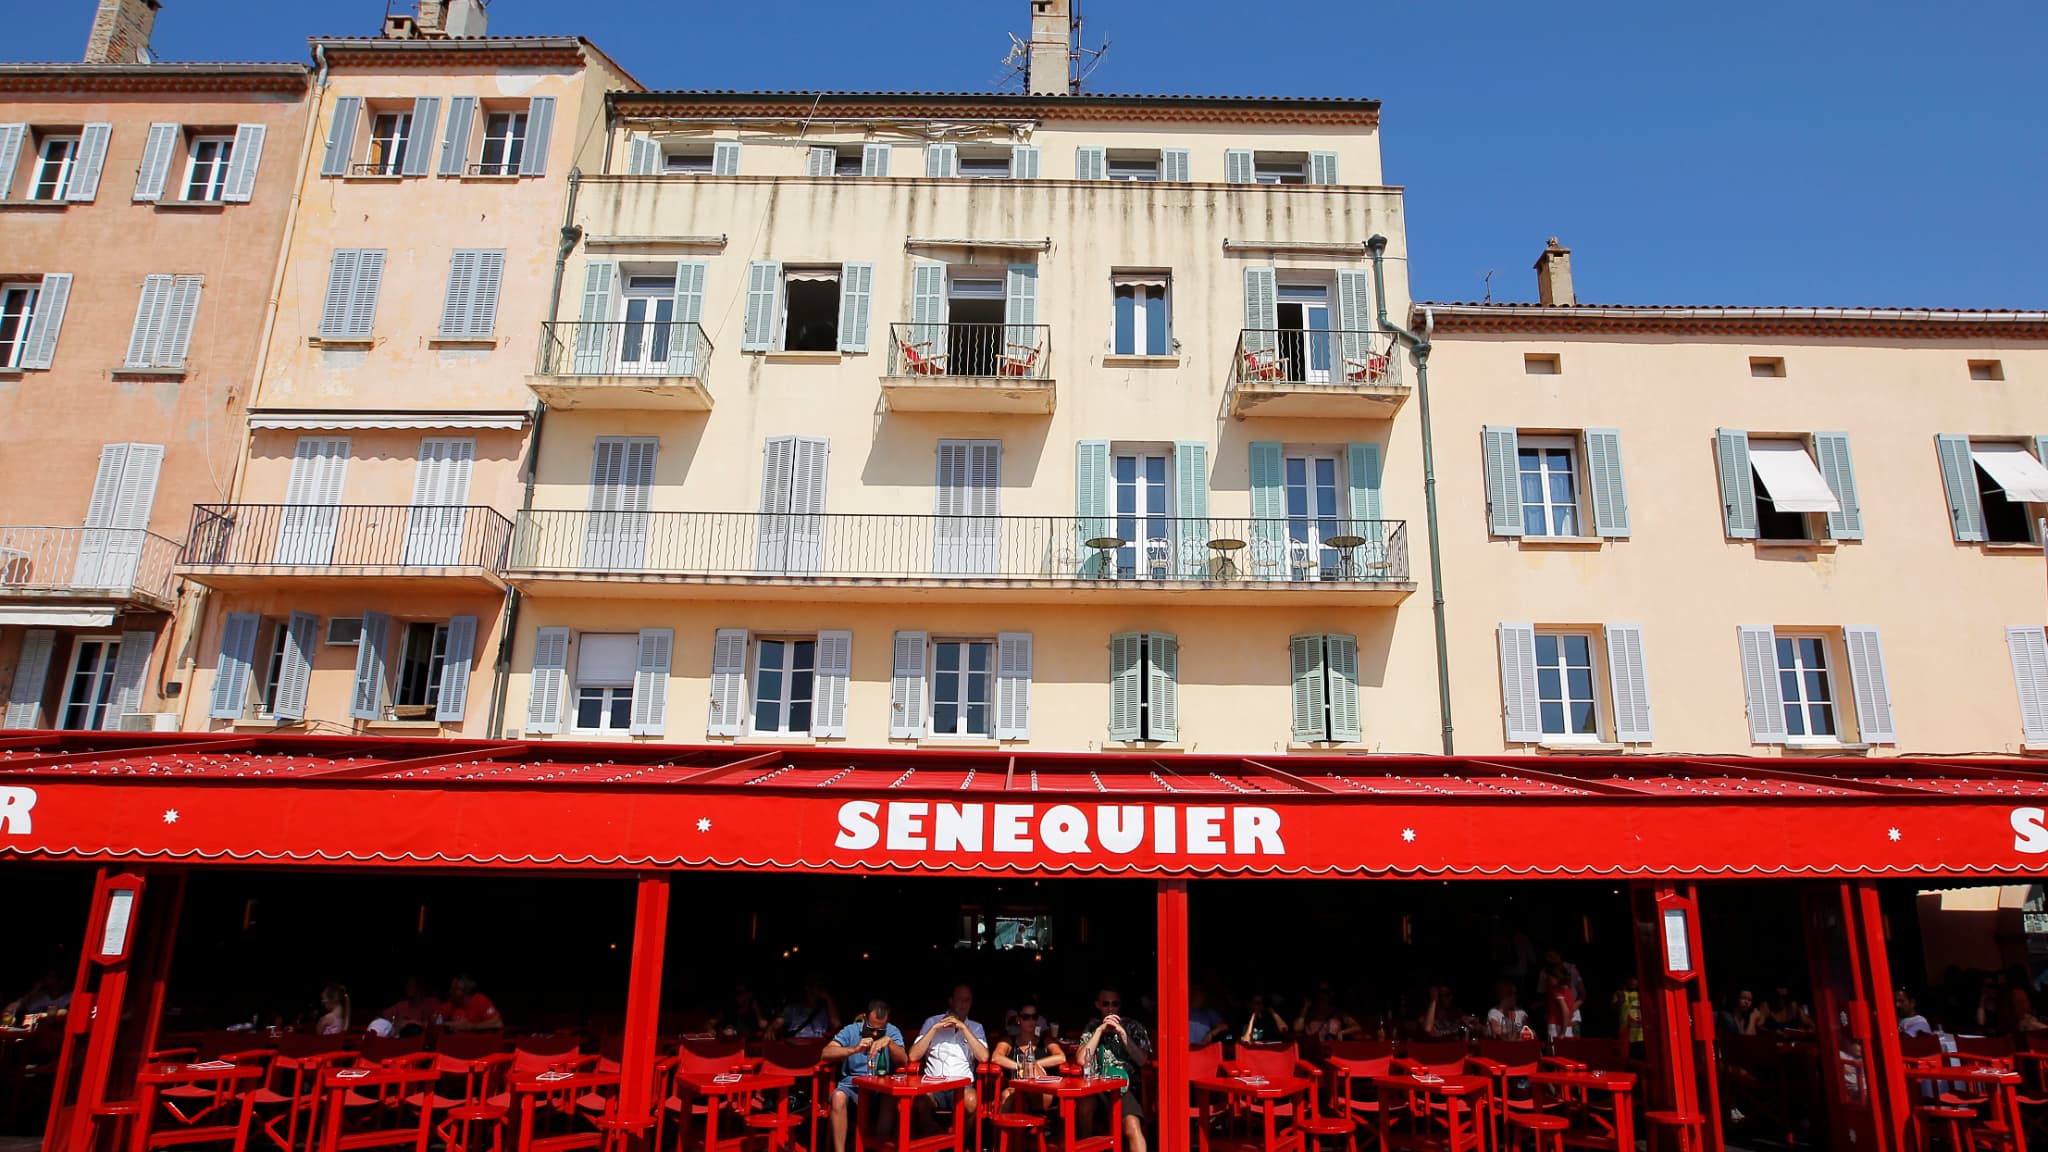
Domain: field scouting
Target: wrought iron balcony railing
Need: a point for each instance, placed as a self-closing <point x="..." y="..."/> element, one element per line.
<point x="86" y="561"/>
<point x="345" y="536"/>
<point x="1316" y="356"/>
<point x="625" y="348"/>
<point x="1023" y="548"/>
<point x="1000" y="351"/>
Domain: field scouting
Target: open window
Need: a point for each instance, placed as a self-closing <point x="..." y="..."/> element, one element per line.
<point x="1132" y="164"/>
<point x="54" y="164"/>
<point x="422" y="654"/>
<point x="1142" y="313"/>
<point x="1788" y="487"/>
<point x="605" y="663"/>
<point x="206" y="168"/>
<point x="810" y="308"/>
<point x="503" y="145"/>
<point x="1789" y="490"/>
<point x="2012" y="489"/>
<point x="985" y="162"/>
<point x="17" y="313"/>
<point x="1280" y="167"/>
<point x="388" y="140"/>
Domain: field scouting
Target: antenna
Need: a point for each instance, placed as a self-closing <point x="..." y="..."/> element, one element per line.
<point x="1082" y="61"/>
<point x="1085" y="59"/>
<point x="1489" y="283"/>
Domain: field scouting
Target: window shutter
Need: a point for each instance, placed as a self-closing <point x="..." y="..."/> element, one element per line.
<point x="1872" y="688"/>
<point x="91" y="561"/>
<point x="1238" y="167"/>
<point x="1322" y="167"/>
<point x="874" y="159"/>
<point x="1759" y="645"/>
<point x="807" y="503"/>
<point x="941" y="160"/>
<point x="362" y="304"/>
<point x="592" y="345"/>
<point x="133" y="499"/>
<point x="149" y="179"/>
<point x="778" y="462"/>
<point x="1959" y="478"/>
<point x="150" y="312"/>
<point x="1629" y="678"/>
<point x="1362" y="460"/>
<point x="483" y="304"/>
<point x="242" y="165"/>
<point x="540" y="129"/>
<point x="1261" y="310"/>
<point x="182" y="315"/>
<point x="550" y="666"/>
<point x="835" y="669"/>
<point x="725" y="158"/>
<point x="1091" y="501"/>
<point x="820" y="161"/>
<point x="1173" y="165"/>
<point x="928" y="305"/>
<point x="11" y="136"/>
<point x="341" y="136"/>
<point x="452" y="701"/>
<point x="231" y="671"/>
<point x="461" y="287"/>
<point x="32" y="673"/>
<point x="1269" y="509"/>
<point x="1024" y="162"/>
<point x="764" y="282"/>
<point x="1522" y="719"/>
<point x="643" y="156"/>
<point x="1354" y="319"/>
<point x="1191" y="507"/>
<point x="1503" y="481"/>
<point x="728" y="683"/>
<point x="419" y="135"/>
<point x="1311" y="687"/>
<point x="1020" y="306"/>
<point x="650" y="681"/>
<point x="2041" y="448"/>
<point x="689" y="318"/>
<point x="455" y="141"/>
<point x="1831" y="451"/>
<point x="341" y="282"/>
<point x="1091" y="162"/>
<point x="295" y="670"/>
<point x="367" y="702"/>
<point x="1162" y="688"/>
<point x="1013" y="686"/>
<point x="906" y="686"/>
<point x="2028" y="646"/>
<point x="1126" y="684"/>
<point x="92" y="159"/>
<point x="1346" y="726"/>
<point x="1738" y="490"/>
<point x="1610" y="491"/>
<point x="131" y="676"/>
<point x="48" y="320"/>
<point x="856" y="294"/>
<point x="353" y="280"/>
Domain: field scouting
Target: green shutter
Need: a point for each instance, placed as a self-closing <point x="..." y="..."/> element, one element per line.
<point x="1610" y="493"/>
<point x="1342" y="658"/>
<point x="1261" y="309"/>
<point x="683" y="347"/>
<point x="1191" y="508"/>
<point x="928" y="308"/>
<point x="1363" y="461"/>
<point x="1738" y="485"/>
<point x="1126" y="684"/>
<point x="764" y="280"/>
<point x="1173" y="165"/>
<point x="1238" y="167"/>
<point x="1831" y="452"/>
<point x="856" y="293"/>
<point x="1311" y="702"/>
<point x="599" y="277"/>
<point x="1354" y="323"/>
<point x="1503" y="482"/>
<point x="1959" y="477"/>
<point x="1020" y="309"/>
<point x="1322" y="167"/>
<point x="1091" y="502"/>
<point x="1162" y="686"/>
<point x="1269" y="510"/>
<point x="1091" y="162"/>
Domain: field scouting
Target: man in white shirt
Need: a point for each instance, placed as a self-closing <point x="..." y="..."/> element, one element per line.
<point x="1911" y="1022"/>
<point x="951" y="1046"/>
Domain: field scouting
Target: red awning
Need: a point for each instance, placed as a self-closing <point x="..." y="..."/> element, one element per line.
<point x="372" y="801"/>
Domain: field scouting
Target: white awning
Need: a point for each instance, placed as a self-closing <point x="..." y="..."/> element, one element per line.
<point x="2015" y="470"/>
<point x="1789" y="476"/>
<point x="30" y="616"/>
<point x="315" y="421"/>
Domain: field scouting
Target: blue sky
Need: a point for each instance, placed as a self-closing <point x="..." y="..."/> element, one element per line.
<point x="1846" y="152"/>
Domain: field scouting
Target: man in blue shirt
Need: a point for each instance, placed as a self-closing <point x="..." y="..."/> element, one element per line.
<point x="870" y="1046"/>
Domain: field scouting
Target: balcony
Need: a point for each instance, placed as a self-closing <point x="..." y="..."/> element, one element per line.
<point x="390" y="546"/>
<point x="1000" y="368"/>
<point x="747" y="555"/>
<point x="1317" y="374"/>
<point x="664" y="366"/>
<point x="57" y="568"/>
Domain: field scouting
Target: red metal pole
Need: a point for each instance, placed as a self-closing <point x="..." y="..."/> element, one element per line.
<point x="98" y="1019"/>
<point x="643" y="1001"/>
<point x="1172" y="1029"/>
<point x="1885" y="1065"/>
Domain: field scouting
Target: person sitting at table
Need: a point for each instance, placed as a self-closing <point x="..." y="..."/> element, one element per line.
<point x="333" y="1011"/>
<point x="1741" y="1017"/>
<point x="869" y="1046"/>
<point x="1204" y="1022"/>
<point x="1321" y="1019"/>
<point x="1265" y="1026"/>
<point x="743" y="1017"/>
<point x="1784" y="1014"/>
<point x="469" y="1010"/>
<point x="815" y="1017"/>
<point x="1117" y="1049"/>
<point x="47" y="996"/>
<point x="1911" y="1022"/>
<point x="1506" y="1020"/>
<point x="1034" y="1051"/>
<point x="1441" y="1019"/>
<point x="950" y="1045"/>
<point x="410" y="1016"/>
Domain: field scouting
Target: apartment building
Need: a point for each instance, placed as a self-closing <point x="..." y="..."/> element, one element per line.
<point x="1741" y="530"/>
<point x="356" y="569"/>
<point x="142" y="206"/>
<point x="1047" y="420"/>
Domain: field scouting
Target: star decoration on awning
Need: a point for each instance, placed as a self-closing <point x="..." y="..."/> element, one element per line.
<point x="170" y="815"/>
<point x="1408" y="835"/>
<point x="1892" y="834"/>
<point x="703" y="823"/>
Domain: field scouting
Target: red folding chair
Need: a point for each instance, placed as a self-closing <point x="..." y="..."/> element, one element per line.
<point x="366" y="1107"/>
<point x="1351" y="1061"/>
<point x="1509" y="1063"/>
<point x="285" y="1100"/>
<point x="461" y="1090"/>
<point x="802" y="1059"/>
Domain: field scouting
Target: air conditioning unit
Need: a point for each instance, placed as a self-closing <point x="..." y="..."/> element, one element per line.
<point x="149" y="721"/>
<point x="344" y="631"/>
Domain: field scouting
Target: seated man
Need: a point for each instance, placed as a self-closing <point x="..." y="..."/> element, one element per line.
<point x="870" y="1046"/>
<point x="951" y="1046"/>
<point x="1117" y="1049"/>
<point x="469" y="1010"/>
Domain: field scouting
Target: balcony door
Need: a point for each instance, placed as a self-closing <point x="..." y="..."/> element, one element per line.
<point x="1304" y="319"/>
<point x="621" y="500"/>
<point x="966" y="531"/>
<point x="1139" y="496"/>
<point x="791" y="537"/>
<point x="117" y="519"/>
<point x="440" y="491"/>
<point x="1313" y="491"/>
<point x="312" y="512"/>
<point x="647" y="326"/>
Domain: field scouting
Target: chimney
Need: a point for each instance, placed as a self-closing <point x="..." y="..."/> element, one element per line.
<point x="120" y="32"/>
<point x="1554" y="275"/>
<point x="463" y="17"/>
<point x="437" y="20"/>
<point x="1051" y="63"/>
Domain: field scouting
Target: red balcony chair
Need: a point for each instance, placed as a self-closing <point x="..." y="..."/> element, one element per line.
<point x="1264" y="366"/>
<point x="920" y="360"/>
<point x="1018" y="360"/>
<point x="1334" y="1124"/>
<point x="286" y="1100"/>
<point x="1371" y="370"/>
<point x="363" y="1107"/>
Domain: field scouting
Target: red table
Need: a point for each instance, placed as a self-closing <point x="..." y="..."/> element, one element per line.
<point x="1070" y="1091"/>
<point x="2004" y="1084"/>
<point x="713" y="1086"/>
<point x="231" y="1096"/>
<point x="1269" y="1094"/>
<point x="904" y="1089"/>
<point x="1620" y="1085"/>
<point x="557" y="1092"/>
<point x="1395" y="1092"/>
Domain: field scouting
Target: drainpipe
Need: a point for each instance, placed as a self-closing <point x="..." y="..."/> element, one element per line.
<point x="502" y="673"/>
<point x="1377" y="245"/>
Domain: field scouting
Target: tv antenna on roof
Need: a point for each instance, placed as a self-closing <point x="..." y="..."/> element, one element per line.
<point x="1489" y="283"/>
<point x="1082" y="61"/>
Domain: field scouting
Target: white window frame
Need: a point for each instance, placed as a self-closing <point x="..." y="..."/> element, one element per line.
<point x="1565" y="699"/>
<point x="962" y="676"/>
<point x="985" y="159"/>
<point x="110" y="662"/>
<point x="216" y="186"/>
<point x="263" y="689"/>
<point x="66" y="167"/>
<point x="687" y="158"/>
<point x="793" y="273"/>
<point x="1134" y="556"/>
<point x="27" y="292"/>
<point x="512" y="144"/>
<point x="610" y="693"/>
<point x="848" y="162"/>
<point x="1323" y="561"/>
<point x="1143" y="286"/>
<point x="755" y="697"/>
<point x="1282" y="171"/>
<point x="656" y="288"/>
<point x="1810" y="528"/>
<point x="1130" y="159"/>
<point x="437" y="662"/>
<point x="1830" y="669"/>
<point x="1576" y="461"/>
<point x="392" y="162"/>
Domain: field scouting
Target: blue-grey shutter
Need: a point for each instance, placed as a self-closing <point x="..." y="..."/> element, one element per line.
<point x="231" y="671"/>
<point x="1191" y="507"/>
<point x="295" y="668"/>
<point x="455" y="141"/>
<point x="1162" y="686"/>
<point x="243" y="163"/>
<point x="1126" y="685"/>
<point x="1604" y="477"/>
<point x="650" y="681"/>
<point x="2026" y="644"/>
<point x="149" y="179"/>
<point x="341" y="283"/>
<point x="451" y="702"/>
<point x="1959" y="478"/>
<point x="874" y="159"/>
<point x="1362" y="461"/>
<point x="1269" y="510"/>
<point x="1322" y="167"/>
<point x="1628" y="675"/>
<point x="92" y="160"/>
<point x="643" y="156"/>
<point x="32" y="674"/>
<point x="540" y="128"/>
<point x="821" y="160"/>
<point x="1503" y="480"/>
<point x="728" y="712"/>
<point x="1020" y="309"/>
<point x="828" y="687"/>
<point x="1346" y="722"/>
<point x="1261" y="309"/>
<point x="856" y="295"/>
<point x="1311" y="686"/>
<point x="455" y="301"/>
<point x="151" y="313"/>
<point x="764" y="283"/>
<point x="550" y="668"/>
<point x="725" y="158"/>
<point x="1013" y="686"/>
<point x="483" y="302"/>
<point x="684" y="348"/>
<point x="1831" y="452"/>
<point x="1024" y="161"/>
<point x="419" y="135"/>
<point x="928" y="307"/>
<point x="593" y="344"/>
<point x="1173" y="165"/>
<point x="131" y="676"/>
<point x="1869" y="684"/>
<point x="1354" y="322"/>
<point x="1238" y="167"/>
<point x="1091" y="162"/>
<point x="176" y="338"/>
<point x="1738" y="489"/>
<point x="1091" y="501"/>
<point x="11" y="136"/>
<point x="367" y="699"/>
<point x="47" y="321"/>
<point x="907" y="686"/>
<point x="341" y="136"/>
<point x="362" y="304"/>
<point x="1521" y="713"/>
<point x="1765" y="700"/>
<point x="941" y="160"/>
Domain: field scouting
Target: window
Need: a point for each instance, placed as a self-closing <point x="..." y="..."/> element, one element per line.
<point x="605" y="662"/>
<point x="1788" y="487"/>
<point x="1140" y="494"/>
<point x="1551" y="693"/>
<point x="1279" y="168"/>
<point x="1142" y="314"/>
<point x="55" y="163"/>
<point x="1144" y="686"/>
<point x="1567" y="697"/>
<point x="784" y="674"/>
<point x="698" y="157"/>
<point x="206" y="167"/>
<point x="344" y="631"/>
<point x="1767" y="367"/>
<point x="17" y="309"/>
<point x="1542" y="364"/>
<point x="963" y="687"/>
<point x="1987" y="370"/>
<point x="1313" y="497"/>
<point x="985" y="163"/>
<point x="271" y="669"/>
<point x="1303" y="319"/>
<point x="1129" y="165"/>
<point x="1549" y="475"/>
<point x="1995" y="488"/>
<point x="1796" y="684"/>
<point x="504" y="144"/>
<point x="421" y="656"/>
<point x="837" y="160"/>
<point x="647" y="312"/>
<point x="689" y="159"/>
<point x="2007" y="517"/>
<point x="810" y="309"/>
<point x="89" y="689"/>
<point x="1325" y="676"/>
<point x="389" y="132"/>
<point x="1807" y="687"/>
